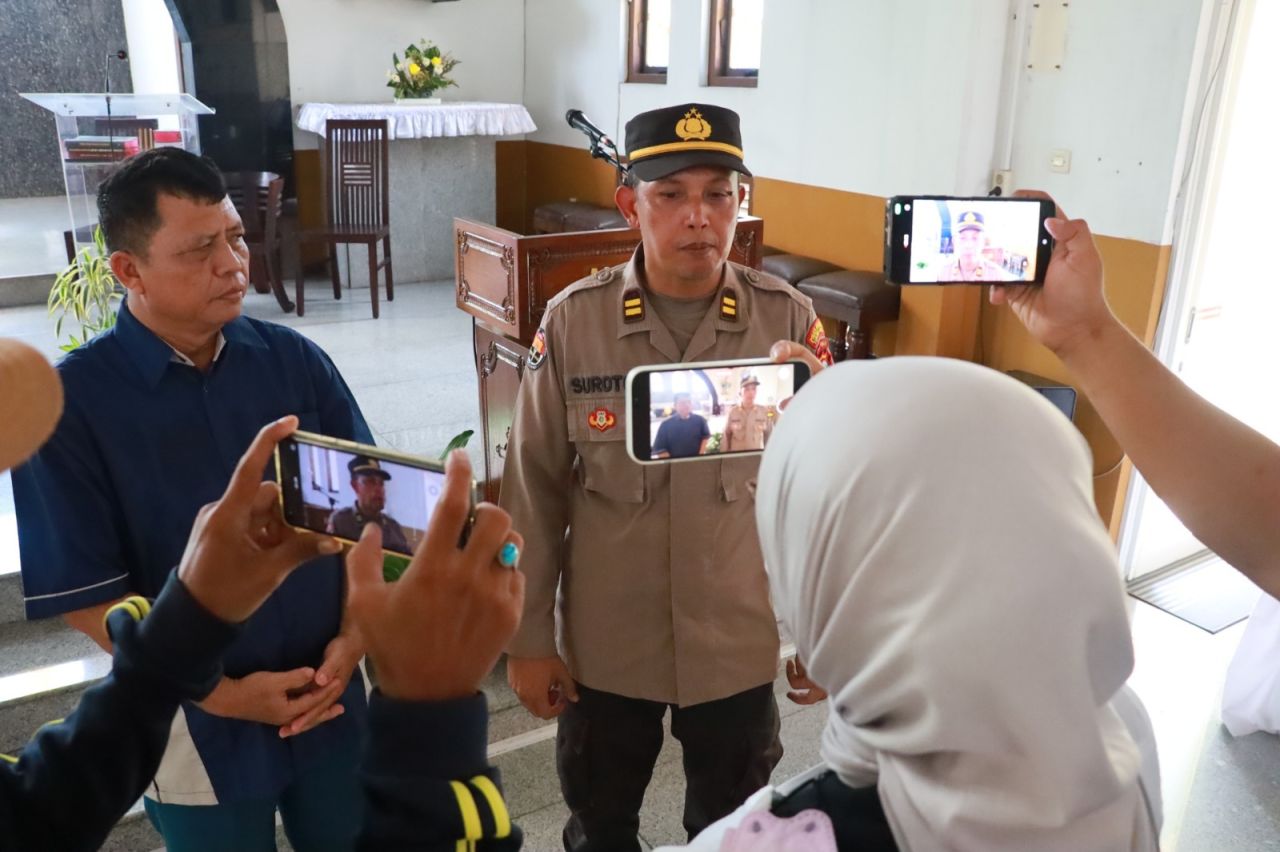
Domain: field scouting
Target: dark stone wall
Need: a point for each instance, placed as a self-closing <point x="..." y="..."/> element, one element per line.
<point x="50" y="46"/>
<point x="241" y="69"/>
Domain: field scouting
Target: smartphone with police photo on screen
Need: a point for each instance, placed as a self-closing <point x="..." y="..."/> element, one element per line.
<point x="707" y="410"/>
<point x="332" y="486"/>
<point x="945" y="240"/>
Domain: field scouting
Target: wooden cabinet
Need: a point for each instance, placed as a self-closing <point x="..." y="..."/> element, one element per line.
<point x="499" y="367"/>
<point x="504" y="280"/>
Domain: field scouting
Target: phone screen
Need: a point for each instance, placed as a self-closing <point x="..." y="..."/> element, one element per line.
<point x="968" y="240"/>
<point x="709" y="411"/>
<point x="337" y="491"/>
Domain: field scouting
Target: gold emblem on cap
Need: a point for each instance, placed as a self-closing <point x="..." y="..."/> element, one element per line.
<point x="693" y="126"/>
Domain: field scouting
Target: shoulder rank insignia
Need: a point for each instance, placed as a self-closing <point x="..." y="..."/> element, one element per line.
<point x="729" y="305"/>
<point x="632" y="305"/>
<point x="538" y="351"/>
<point x="602" y="420"/>
<point x="816" y="339"/>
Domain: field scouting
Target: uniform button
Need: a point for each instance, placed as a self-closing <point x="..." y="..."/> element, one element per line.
<point x="604" y="274"/>
<point x="753" y="276"/>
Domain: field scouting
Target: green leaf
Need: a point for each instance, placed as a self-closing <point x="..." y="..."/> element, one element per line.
<point x="459" y="441"/>
<point x="393" y="567"/>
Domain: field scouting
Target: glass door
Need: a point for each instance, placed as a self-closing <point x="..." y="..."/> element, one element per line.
<point x="1225" y="293"/>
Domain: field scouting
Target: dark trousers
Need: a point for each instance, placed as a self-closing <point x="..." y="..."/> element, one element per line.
<point x="607" y="745"/>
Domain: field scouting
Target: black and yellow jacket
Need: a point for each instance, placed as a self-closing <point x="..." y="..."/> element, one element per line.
<point x="75" y="779"/>
<point x="427" y="780"/>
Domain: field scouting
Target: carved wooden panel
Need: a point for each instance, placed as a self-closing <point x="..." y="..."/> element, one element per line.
<point x="485" y="270"/>
<point x="499" y="366"/>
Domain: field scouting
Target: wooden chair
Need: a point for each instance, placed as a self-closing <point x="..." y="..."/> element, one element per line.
<point x="356" y="201"/>
<point x="258" y="199"/>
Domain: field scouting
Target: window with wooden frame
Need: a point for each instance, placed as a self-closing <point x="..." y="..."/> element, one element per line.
<point x="649" y="40"/>
<point x="737" y="28"/>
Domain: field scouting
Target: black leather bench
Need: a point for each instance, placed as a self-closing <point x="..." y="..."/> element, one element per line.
<point x="558" y="217"/>
<point x="856" y="299"/>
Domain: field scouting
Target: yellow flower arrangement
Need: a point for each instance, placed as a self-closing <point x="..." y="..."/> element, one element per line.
<point x="421" y="72"/>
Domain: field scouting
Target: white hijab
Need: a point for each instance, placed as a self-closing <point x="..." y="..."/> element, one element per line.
<point x="932" y="543"/>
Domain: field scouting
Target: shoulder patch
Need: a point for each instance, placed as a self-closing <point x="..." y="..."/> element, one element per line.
<point x="816" y="339"/>
<point x="538" y="351"/>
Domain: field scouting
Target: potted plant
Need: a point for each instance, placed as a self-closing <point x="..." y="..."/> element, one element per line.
<point x="87" y="292"/>
<point x="421" y="73"/>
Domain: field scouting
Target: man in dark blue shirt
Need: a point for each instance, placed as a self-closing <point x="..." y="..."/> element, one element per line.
<point x="158" y="410"/>
<point x="683" y="434"/>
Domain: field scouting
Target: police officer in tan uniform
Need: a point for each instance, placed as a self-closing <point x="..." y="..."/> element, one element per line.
<point x="748" y="426"/>
<point x="645" y="585"/>
<point x="369" y="482"/>
<point x="968" y="262"/>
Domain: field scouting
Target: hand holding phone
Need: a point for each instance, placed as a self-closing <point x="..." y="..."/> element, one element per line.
<point x="712" y="409"/>
<point x="239" y="551"/>
<point x="944" y="240"/>
<point x="329" y="485"/>
<point x="1071" y="307"/>
<point x="437" y="632"/>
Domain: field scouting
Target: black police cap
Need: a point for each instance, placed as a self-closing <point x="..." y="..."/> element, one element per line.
<point x="661" y="142"/>
<point x="366" y="466"/>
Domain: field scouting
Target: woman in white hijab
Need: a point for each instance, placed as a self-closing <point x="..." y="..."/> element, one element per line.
<point x="932" y="543"/>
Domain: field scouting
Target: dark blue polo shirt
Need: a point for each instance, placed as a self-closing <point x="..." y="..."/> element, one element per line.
<point x="105" y="508"/>
<point x="681" y="438"/>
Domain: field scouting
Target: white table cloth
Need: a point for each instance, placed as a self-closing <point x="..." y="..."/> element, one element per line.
<point x="426" y="121"/>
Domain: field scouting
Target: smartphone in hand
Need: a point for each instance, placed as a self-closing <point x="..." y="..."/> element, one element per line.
<point x="707" y="410"/>
<point x="333" y="486"/>
<point x="945" y="240"/>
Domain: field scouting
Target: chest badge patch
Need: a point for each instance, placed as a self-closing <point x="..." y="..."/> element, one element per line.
<point x="602" y="420"/>
<point x="538" y="351"/>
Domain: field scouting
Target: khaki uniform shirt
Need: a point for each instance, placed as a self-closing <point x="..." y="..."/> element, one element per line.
<point x="349" y="524"/>
<point x="988" y="271"/>
<point x="652" y="573"/>
<point x="748" y="428"/>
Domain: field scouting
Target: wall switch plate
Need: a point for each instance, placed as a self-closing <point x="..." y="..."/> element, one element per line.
<point x="1060" y="161"/>
<point x="1002" y="179"/>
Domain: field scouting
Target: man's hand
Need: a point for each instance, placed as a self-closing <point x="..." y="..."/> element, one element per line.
<point x="435" y="633"/>
<point x="543" y="684"/>
<point x="1070" y="306"/>
<point x="273" y="698"/>
<point x="240" y="549"/>
<point x="803" y="690"/>
<point x="341" y="657"/>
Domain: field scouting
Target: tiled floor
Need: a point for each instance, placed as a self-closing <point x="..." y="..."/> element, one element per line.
<point x="31" y="241"/>
<point x="412" y="373"/>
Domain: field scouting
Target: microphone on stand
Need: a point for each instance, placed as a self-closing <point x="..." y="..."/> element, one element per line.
<point x="106" y="90"/>
<point x="578" y="121"/>
<point x="599" y="141"/>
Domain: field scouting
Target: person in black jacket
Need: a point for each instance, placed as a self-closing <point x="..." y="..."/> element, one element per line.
<point x="433" y="636"/>
<point x="70" y="785"/>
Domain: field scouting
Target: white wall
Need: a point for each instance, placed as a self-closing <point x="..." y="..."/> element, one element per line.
<point x="1118" y="105"/>
<point x="828" y="108"/>
<point x="884" y="97"/>
<point x="153" y="55"/>
<point x="340" y="50"/>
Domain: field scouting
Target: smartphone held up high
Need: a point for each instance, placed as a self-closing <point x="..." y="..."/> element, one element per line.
<point x="944" y="240"/>
<point x="332" y="486"/>
<point x="708" y="410"/>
